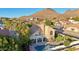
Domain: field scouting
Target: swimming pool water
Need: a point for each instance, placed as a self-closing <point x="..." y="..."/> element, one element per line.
<point x="43" y="47"/>
<point x="40" y="48"/>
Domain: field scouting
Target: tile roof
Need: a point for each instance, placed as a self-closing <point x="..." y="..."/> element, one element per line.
<point x="7" y="32"/>
<point x="34" y="28"/>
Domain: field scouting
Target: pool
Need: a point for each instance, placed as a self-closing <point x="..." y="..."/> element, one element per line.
<point x="43" y="47"/>
<point x="40" y="48"/>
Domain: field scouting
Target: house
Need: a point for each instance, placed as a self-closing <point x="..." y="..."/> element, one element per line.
<point x="37" y="36"/>
<point x="42" y="32"/>
<point x="49" y="33"/>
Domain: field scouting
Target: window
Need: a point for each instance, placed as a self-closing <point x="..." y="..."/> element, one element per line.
<point x="39" y="40"/>
<point x="36" y="34"/>
<point x="51" y="32"/>
<point x="45" y="40"/>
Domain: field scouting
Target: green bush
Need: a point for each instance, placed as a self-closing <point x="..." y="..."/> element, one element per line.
<point x="59" y="38"/>
<point x="67" y="43"/>
<point x="76" y="18"/>
<point x="8" y="43"/>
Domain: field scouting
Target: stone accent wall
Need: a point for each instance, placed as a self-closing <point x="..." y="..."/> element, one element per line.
<point x="46" y="30"/>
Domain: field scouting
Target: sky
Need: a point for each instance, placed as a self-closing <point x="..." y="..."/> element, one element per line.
<point x="17" y="12"/>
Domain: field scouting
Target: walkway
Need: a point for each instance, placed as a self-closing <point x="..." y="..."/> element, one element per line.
<point x="62" y="47"/>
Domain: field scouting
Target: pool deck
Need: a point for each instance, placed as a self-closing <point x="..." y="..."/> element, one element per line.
<point x="32" y="47"/>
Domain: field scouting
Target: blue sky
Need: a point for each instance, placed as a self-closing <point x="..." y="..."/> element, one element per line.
<point x="17" y="12"/>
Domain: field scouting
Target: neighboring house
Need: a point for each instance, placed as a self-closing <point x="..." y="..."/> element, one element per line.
<point x="58" y="25"/>
<point x="1" y="24"/>
<point x="74" y="22"/>
<point x="65" y="22"/>
<point x="72" y="27"/>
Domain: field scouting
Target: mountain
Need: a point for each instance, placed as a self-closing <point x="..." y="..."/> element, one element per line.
<point x="51" y="14"/>
<point x="72" y="13"/>
<point x="46" y="13"/>
<point x="43" y="14"/>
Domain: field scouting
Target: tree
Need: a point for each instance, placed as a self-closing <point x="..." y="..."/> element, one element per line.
<point x="22" y="29"/>
<point x="49" y="23"/>
<point x="8" y="43"/>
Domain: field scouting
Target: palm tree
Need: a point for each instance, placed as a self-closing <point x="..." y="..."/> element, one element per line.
<point x="49" y="23"/>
